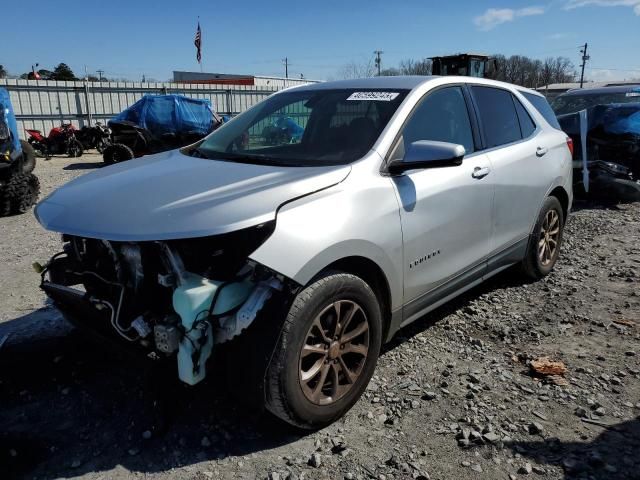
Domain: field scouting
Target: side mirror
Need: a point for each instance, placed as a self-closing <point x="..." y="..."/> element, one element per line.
<point x="428" y="154"/>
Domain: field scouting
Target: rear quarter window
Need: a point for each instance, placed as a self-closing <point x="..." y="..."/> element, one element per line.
<point x="542" y="106"/>
<point x="527" y="125"/>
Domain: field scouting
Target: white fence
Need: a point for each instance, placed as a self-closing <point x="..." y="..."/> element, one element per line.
<point x="43" y="104"/>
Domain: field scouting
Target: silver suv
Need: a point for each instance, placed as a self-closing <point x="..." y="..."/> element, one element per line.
<point x="303" y="234"/>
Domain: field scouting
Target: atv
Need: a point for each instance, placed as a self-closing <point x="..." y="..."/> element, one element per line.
<point x="157" y="123"/>
<point x="19" y="187"/>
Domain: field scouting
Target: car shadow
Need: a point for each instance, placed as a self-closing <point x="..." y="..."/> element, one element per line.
<point x="611" y="455"/>
<point x="71" y="405"/>
<point x="83" y="166"/>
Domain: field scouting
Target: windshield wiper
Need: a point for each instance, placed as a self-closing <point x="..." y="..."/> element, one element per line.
<point x="196" y="152"/>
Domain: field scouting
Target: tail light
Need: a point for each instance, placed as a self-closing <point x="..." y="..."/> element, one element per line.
<point x="570" y="145"/>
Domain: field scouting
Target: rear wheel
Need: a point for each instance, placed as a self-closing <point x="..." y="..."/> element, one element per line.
<point x="75" y="149"/>
<point x="28" y="157"/>
<point x="544" y="243"/>
<point x="117" y="152"/>
<point x="327" y="352"/>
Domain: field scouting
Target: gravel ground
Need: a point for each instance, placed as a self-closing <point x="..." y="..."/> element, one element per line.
<point x="453" y="395"/>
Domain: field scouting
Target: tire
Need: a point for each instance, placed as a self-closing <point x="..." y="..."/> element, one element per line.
<point x="6" y="193"/>
<point x="28" y="194"/>
<point x="298" y="400"/>
<point x="540" y="257"/>
<point x="75" y="149"/>
<point x="117" y="152"/>
<point x="28" y="157"/>
<point x="19" y="194"/>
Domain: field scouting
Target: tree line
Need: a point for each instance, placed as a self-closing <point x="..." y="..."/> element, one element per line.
<point x="61" y="72"/>
<point x="517" y="69"/>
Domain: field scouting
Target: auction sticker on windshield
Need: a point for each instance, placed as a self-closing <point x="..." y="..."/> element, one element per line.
<point x="373" y="96"/>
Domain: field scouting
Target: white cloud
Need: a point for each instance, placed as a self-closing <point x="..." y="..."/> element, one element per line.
<point x="558" y="36"/>
<point x="496" y="16"/>
<point x="635" y="4"/>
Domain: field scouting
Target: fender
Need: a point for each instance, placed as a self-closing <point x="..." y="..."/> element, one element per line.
<point x="309" y="232"/>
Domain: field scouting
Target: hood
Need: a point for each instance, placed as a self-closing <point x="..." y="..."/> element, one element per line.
<point x="171" y="195"/>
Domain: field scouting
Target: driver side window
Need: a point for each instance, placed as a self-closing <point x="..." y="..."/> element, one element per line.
<point x="441" y="116"/>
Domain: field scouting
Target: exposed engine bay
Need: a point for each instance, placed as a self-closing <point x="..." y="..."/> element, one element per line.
<point x="168" y="298"/>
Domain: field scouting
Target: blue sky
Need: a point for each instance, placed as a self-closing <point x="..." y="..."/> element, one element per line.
<point x="129" y="38"/>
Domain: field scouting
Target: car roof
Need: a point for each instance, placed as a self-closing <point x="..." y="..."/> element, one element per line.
<point x="601" y="90"/>
<point x="394" y="82"/>
<point x="404" y="82"/>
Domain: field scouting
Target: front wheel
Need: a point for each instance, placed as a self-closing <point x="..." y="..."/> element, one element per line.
<point x="545" y="241"/>
<point x="327" y="351"/>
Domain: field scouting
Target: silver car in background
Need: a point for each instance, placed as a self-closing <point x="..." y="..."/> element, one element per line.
<point x="300" y="236"/>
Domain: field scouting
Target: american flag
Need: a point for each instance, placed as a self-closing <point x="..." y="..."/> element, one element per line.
<point x="198" y="43"/>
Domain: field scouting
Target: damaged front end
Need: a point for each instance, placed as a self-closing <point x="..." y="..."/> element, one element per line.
<point x="168" y="298"/>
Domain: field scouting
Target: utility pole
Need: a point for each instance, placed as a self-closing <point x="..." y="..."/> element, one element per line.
<point x="585" y="57"/>
<point x="100" y="72"/>
<point x="286" y="67"/>
<point x="378" y="60"/>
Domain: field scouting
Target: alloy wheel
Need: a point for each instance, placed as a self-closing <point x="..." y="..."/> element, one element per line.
<point x="549" y="235"/>
<point x="334" y="352"/>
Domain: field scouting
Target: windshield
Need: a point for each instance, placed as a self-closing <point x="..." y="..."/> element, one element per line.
<point x="573" y="103"/>
<point x="306" y="128"/>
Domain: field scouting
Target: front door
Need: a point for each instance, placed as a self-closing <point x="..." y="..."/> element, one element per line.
<point x="445" y="212"/>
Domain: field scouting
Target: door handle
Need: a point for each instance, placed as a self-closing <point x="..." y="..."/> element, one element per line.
<point x="540" y="151"/>
<point x="480" y="172"/>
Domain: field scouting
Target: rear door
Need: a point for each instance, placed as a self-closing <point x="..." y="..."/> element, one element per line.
<point x="514" y="145"/>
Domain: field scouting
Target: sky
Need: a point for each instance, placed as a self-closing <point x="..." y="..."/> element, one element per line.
<point x="128" y="39"/>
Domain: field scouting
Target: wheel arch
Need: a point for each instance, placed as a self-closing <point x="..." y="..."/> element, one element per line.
<point x="374" y="276"/>
<point x="563" y="197"/>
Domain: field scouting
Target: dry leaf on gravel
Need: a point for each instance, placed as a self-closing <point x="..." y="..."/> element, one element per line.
<point x="546" y="366"/>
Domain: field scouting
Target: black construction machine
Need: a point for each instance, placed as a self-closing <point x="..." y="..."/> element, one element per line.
<point x="464" y="64"/>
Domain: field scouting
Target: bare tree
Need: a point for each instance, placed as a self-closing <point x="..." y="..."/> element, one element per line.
<point x="354" y="69"/>
<point x="517" y="69"/>
<point x="415" y="67"/>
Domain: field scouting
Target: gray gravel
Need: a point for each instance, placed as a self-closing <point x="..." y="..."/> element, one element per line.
<point x="453" y="396"/>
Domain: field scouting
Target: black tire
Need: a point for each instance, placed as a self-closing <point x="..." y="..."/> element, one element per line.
<point x="6" y="193"/>
<point x="75" y="148"/>
<point x="535" y="265"/>
<point x="28" y="194"/>
<point x="19" y="193"/>
<point x="284" y="394"/>
<point x="28" y="157"/>
<point x="117" y="152"/>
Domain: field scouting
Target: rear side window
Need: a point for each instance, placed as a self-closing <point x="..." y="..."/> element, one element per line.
<point x="543" y="107"/>
<point x="527" y="126"/>
<point x="498" y="115"/>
